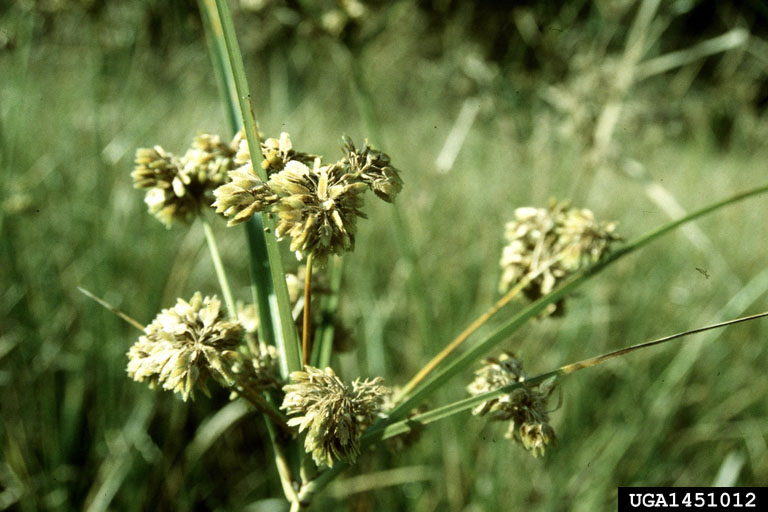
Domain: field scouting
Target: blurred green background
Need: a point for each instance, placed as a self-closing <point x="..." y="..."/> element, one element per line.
<point x="637" y="111"/>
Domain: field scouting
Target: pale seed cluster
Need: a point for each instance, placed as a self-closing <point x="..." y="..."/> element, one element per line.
<point x="374" y="169"/>
<point x="333" y="414"/>
<point x="524" y="407"/>
<point x="178" y="187"/>
<point x="186" y="345"/>
<point x="546" y="245"/>
<point x="317" y="205"/>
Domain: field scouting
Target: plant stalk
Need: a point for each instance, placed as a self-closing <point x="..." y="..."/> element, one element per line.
<point x="286" y="337"/>
<point x="221" y="275"/>
<point x="255" y="399"/>
<point x="305" y="333"/>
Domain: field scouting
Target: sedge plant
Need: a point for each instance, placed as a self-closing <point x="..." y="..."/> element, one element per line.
<point x="276" y="351"/>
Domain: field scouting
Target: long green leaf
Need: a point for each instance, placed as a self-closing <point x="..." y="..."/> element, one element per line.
<point x="483" y="347"/>
<point x="217" y="49"/>
<point x="451" y="409"/>
<point x="286" y="337"/>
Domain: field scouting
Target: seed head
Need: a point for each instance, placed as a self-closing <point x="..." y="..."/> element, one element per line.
<point x="275" y="152"/>
<point x="242" y="196"/>
<point x="278" y="152"/>
<point x="317" y="208"/>
<point x="245" y="193"/>
<point x="210" y="159"/>
<point x="334" y="414"/>
<point x="179" y="187"/>
<point x="373" y="168"/>
<point x="185" y="345"/>
<point x="524" y="407"/>
<point x="548" y="245"/>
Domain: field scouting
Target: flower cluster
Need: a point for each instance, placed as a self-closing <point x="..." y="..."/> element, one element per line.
<point x="334" y="414"/>
<point x="276" y="153"/>
<point x="178" y="187"/>
<point x="544" y="246"/>
<point x="317" y="205"/>
<point x="185" y="345"/>
<point x="524" y="407"/>
<point x="374" y="169"/>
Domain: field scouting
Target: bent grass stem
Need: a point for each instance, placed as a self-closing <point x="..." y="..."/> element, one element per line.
<point x="129" y="319"/>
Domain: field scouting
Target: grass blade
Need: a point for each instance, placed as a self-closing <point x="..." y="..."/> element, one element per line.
<point x="217" y="49"/>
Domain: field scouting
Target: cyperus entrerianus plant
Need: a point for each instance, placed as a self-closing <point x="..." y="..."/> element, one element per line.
<point x="316" y="205"/>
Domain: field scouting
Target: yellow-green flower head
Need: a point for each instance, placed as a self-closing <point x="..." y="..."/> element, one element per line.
<point x="524" y="407"/>
<point x="209" y="159"/>
<point x="333" y="414"/>
<point x="275" y="152"/>
<point x="546" y="245"/>
<point x="317" y="207"/>
<point x="179" y="187"/>
<point x="243" y="196"/>
<point x="245" y="193"/>
<point x="185" y="345"/>
<point x="494" y="374"/>
<point x="373" y="168"/>
<point x="278" y="152"/>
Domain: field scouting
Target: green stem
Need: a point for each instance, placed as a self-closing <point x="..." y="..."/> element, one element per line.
<point x="281" y="462"/>
<point x="217" y="264"/>
<point x="286" y="337"/>
<point x="263" y="406"/>
<point x="218" y="52"/>
<point x="261" y="282"/>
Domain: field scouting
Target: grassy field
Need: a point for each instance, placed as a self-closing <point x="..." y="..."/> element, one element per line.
<point x="76" y="433"/>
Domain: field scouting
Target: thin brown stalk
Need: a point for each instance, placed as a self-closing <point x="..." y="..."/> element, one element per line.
<point x="306" y="339"/>
<point x="474" y="326"/>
